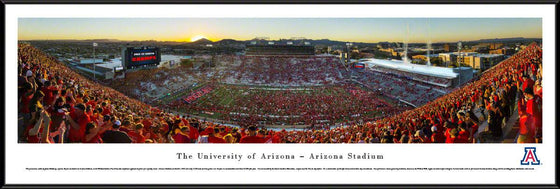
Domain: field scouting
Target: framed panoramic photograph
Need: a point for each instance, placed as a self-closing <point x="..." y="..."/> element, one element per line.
<point x="260" y="95"/>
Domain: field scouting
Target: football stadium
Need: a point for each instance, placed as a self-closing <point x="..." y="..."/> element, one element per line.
<point x="277" y="93"/>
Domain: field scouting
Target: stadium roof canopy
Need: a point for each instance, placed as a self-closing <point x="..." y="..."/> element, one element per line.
<point x="115" y="62"/>
<point x="440" y="72"/>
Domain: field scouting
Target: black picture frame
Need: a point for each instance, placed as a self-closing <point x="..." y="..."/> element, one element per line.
<point x="431" y="2"/>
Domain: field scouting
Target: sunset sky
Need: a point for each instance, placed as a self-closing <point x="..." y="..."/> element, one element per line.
<point x="340" y="29"/>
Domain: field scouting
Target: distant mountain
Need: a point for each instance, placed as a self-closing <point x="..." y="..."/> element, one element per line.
<point x="511" y="39"/>
<point x="299" y="41"/>
<point x="202" y="41"/>
<point x="505" y="39"/>
<point x="326" y="42"/>
<point x="228" y="42"/>
<point x="106" y="40"/>
<point x="79" y="40"/>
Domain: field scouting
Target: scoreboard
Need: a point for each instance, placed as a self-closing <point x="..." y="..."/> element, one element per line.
<point x="359" y="65"/>
<point x="141" y="56"/>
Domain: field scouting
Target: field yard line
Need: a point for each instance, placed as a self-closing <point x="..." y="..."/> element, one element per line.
<point x="231" y="98"/>
<point x="221" y="93"/>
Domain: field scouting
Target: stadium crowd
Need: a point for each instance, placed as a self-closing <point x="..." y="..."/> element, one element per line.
<point x="494" y="93"/>
<point x="286" y="70"/>
<point x="144" y="84"/>
<point x="57" y="105"/>
<point x="411" y="91"/>
<point x="425" y="79"/>
<point x="150" y="84"/>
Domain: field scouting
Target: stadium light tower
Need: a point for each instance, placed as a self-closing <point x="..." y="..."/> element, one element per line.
<point x="94" y="45"/>
<point x="348" y="45"/>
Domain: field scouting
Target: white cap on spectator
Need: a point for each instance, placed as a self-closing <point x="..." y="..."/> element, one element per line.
<point x="434" y="128"/>
<point x="118" y="123"/>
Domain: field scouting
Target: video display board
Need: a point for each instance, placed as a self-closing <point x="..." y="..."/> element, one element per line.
<point x="136" y="57"/>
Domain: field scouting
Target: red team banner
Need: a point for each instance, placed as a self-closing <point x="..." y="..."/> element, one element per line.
<point x="192" y="97"/>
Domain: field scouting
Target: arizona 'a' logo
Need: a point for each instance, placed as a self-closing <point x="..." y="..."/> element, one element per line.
<point x="530" y="157"/>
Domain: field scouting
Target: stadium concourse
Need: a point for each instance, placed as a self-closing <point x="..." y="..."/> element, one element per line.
<point x="57" y="105"/>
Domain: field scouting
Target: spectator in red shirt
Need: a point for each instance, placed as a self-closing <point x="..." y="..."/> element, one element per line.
<point x="252" y="136"/>
<point x="25" y="99"/>
<point x="147" y="122"/>
<point x="106" y="108"/>
<point x="50" y="93"/>
<point x="212" y="137"/>
<point x="538" y="88"/>
<point x="229" y="138"/>
<point x="28" y="91"/>
<point x="534" y="111"/>
<point x="93" y="132"/>
<point x="78" y="120"/>
<point x="526" y="129"/>
<point x="154" y="132"/>
<point x="266" y="138"/>
<point x="452" y="136"/>
<point x="57" y="112"/>
<point x="126" y="126"/>
<point x="463" y="135"/>
<point x="182" y="135"/>
<point x="236" y="135"/>
<point x="527" y="83"/>
<point x="136" y="135"/>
